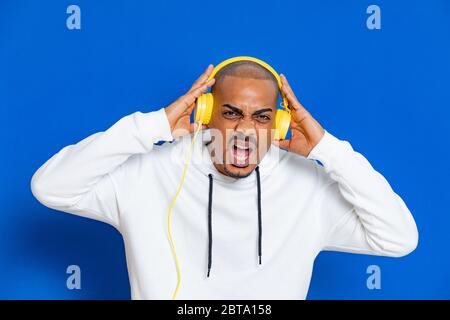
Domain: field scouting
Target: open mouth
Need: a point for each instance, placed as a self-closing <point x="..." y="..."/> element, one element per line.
<point x="240" y="153"/>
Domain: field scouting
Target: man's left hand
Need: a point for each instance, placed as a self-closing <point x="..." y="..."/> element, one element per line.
<point x="306" y="132"/>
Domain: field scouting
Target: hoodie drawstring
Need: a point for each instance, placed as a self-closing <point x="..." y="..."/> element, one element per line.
<point x="258" y="184"/>
<point x="210" y="223"/>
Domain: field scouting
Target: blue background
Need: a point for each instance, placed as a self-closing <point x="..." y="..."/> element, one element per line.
<point x="386" y="91"/>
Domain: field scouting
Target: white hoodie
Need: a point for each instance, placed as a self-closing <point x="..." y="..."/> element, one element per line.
<point x="122" y="178"/>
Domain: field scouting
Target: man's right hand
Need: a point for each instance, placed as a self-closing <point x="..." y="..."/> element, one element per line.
<point x="179" y="112"/>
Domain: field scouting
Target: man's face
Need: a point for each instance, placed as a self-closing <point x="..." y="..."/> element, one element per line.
<point x="241" y="123"/>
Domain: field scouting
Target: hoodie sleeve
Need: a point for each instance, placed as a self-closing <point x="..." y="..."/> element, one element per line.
<point x="361" y="212"/>
<point x="78" y="179"/>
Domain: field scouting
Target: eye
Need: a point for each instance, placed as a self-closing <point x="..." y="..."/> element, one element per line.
<point x="230" y="114"/>
<point x="262" y="118"/>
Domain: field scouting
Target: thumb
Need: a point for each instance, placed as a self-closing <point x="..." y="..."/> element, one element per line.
<point x="283" y="144"/>
<point x="193" y="127"/>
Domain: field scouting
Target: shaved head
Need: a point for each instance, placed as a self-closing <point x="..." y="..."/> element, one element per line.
<point x="246" y="70"/>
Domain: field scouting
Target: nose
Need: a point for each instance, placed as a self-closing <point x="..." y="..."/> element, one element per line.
<point x="246" y="126"/>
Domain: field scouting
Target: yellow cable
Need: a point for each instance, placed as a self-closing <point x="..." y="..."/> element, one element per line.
<point x="188" y="156"/>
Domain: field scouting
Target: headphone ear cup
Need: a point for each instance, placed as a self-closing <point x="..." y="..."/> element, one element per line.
<point x="204" y="106"/>
<point x="282" y="124"/>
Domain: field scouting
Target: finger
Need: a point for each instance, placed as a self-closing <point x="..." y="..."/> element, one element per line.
<point x="289" y="94"/>
<point x="203" y="77"/>
<point x="286" y="87"/>
<point x="300" y="112"/>
<point x="193" y="127"/>
<point x="189" y="98"/>
<point x="283" y="144"/>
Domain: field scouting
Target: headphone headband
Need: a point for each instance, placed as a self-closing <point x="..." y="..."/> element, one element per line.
<point x="224" y="63"/>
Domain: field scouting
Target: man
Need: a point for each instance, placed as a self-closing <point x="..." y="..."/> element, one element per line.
<point x="261" y="212"/>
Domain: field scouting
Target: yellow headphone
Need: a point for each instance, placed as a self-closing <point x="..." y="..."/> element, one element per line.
<point x="205" y="101"/>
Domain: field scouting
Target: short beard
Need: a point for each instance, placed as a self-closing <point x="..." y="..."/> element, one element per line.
<point x="233" y="175"/>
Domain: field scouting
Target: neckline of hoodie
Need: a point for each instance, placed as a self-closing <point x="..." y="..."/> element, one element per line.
<point x="205" y="166"/>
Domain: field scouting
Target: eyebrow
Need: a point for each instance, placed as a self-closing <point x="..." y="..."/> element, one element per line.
<point x="239" y="111"/>
<point x="262" y="111"/>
